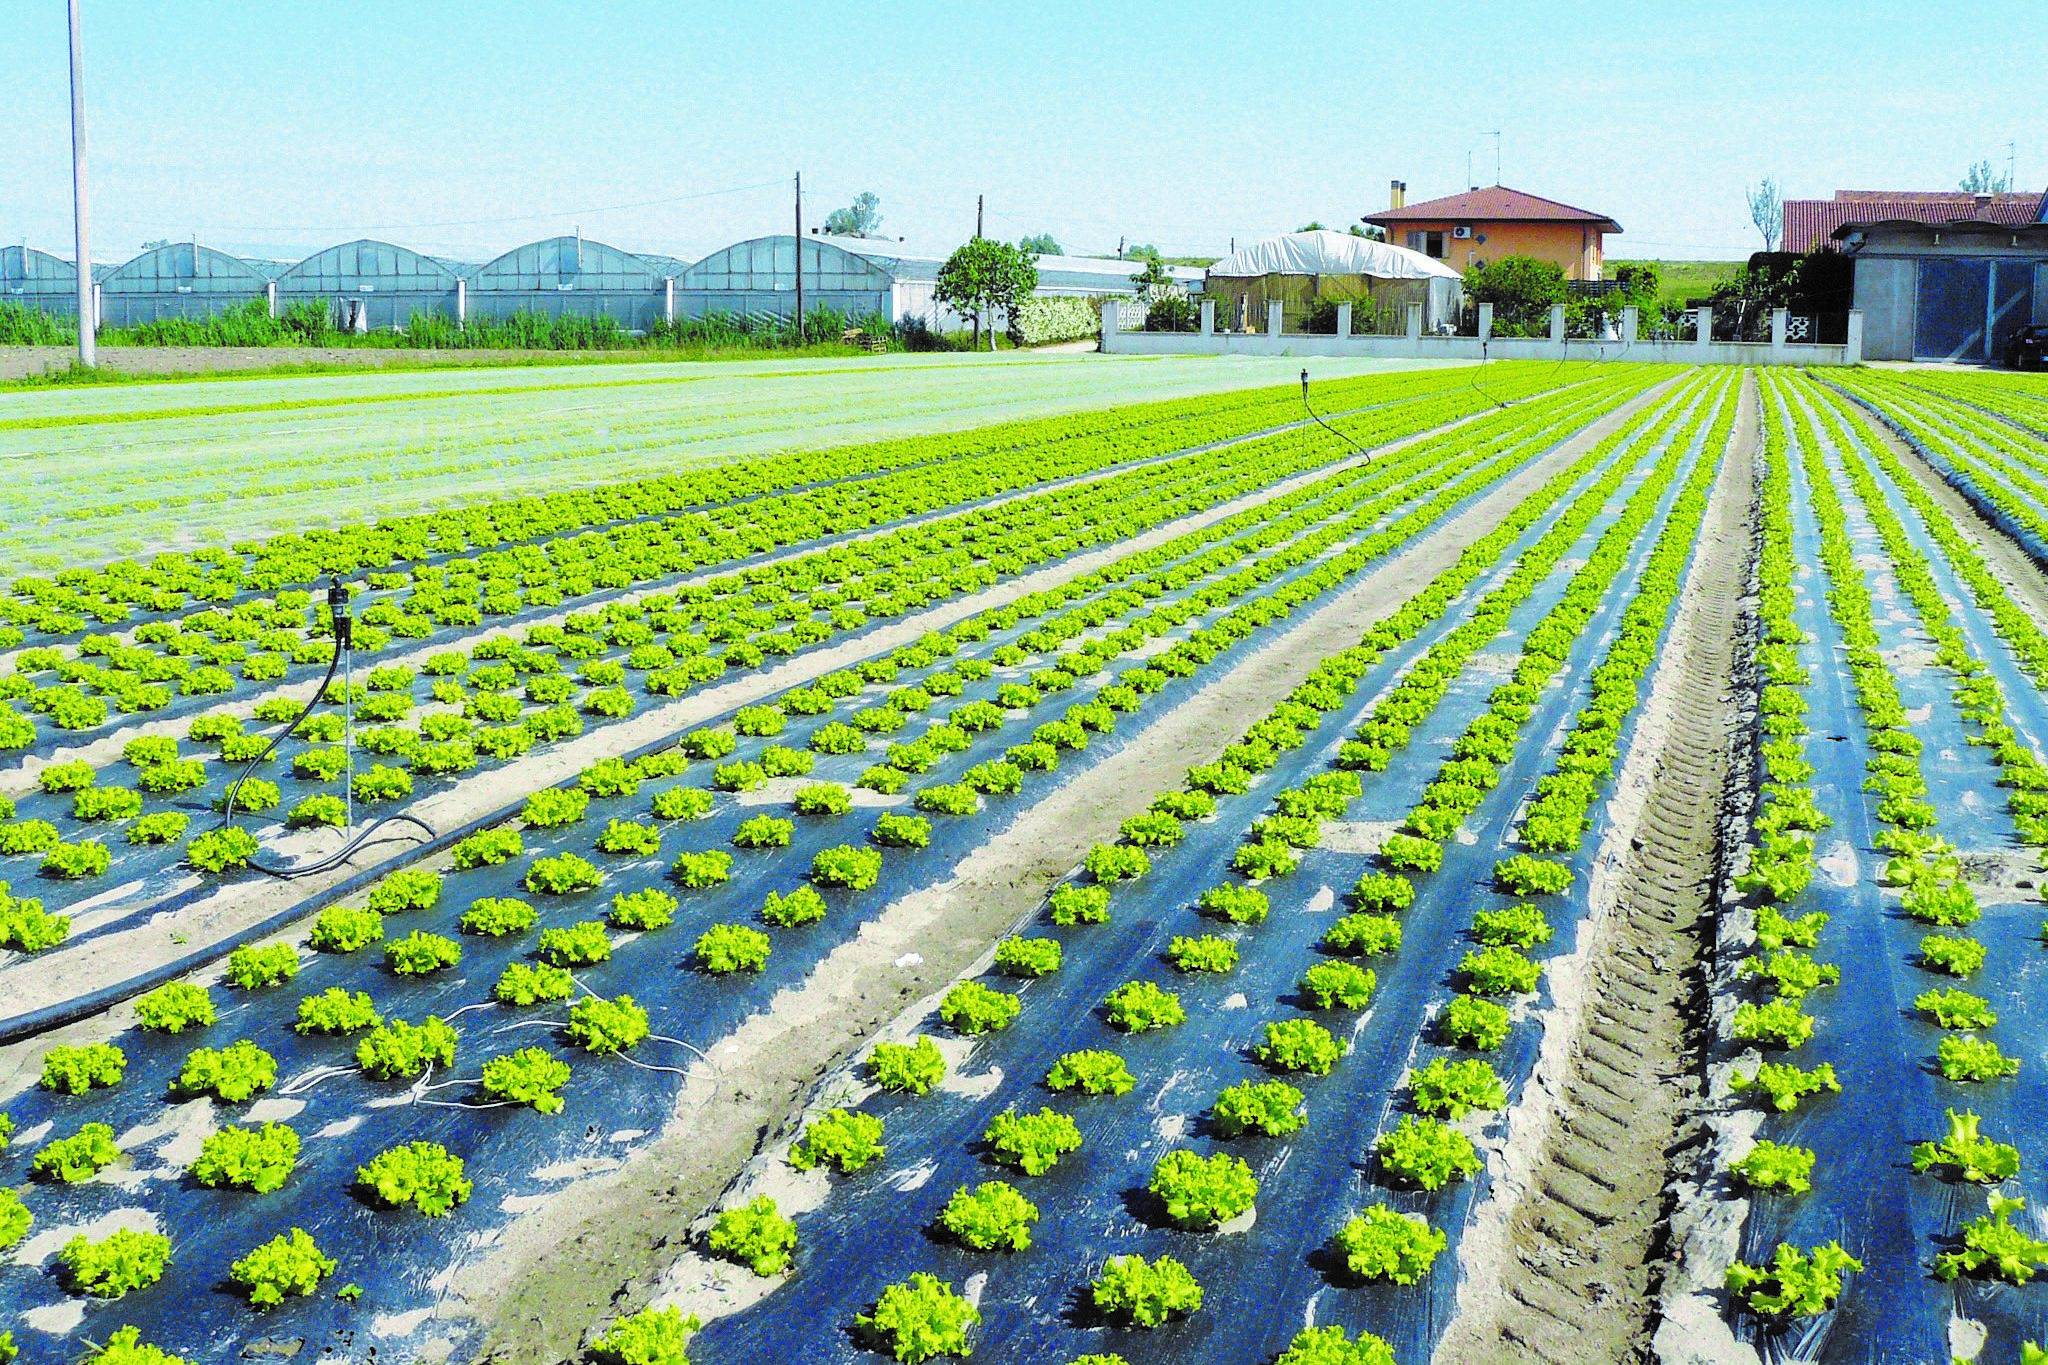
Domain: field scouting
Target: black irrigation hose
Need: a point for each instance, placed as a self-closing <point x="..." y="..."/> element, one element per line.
<point x="344" y="637"/>
<point x="1325" y="425"/>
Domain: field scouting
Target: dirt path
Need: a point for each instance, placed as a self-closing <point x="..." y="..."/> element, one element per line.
<point x="1563" y="1259"/>
<point x="601" y="1244"/>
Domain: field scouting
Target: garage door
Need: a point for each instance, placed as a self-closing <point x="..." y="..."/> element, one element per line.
<point x="1950" y="316"/>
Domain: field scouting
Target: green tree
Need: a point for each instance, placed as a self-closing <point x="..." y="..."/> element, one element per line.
<point x="1312" y="225"/>
<point x="1521" y="290"/>
<point x="1981" y="179"/>
<point x="987" y="276"/>
<point x="1044" y="244"/>
<point x="860" y="219"/>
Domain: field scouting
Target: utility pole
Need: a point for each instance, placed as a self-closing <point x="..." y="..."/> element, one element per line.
<point x="88" y="321"/>
<point x="977" y="215"/>
<point x="799" y="258"/>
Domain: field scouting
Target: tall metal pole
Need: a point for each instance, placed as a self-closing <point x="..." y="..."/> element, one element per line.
<point x="977" y="215"/>
<point x="88" y="321"/>
<point x="799" y="258"/>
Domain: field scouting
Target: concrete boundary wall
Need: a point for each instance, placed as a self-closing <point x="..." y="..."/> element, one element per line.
<point x="1413" y="345"/>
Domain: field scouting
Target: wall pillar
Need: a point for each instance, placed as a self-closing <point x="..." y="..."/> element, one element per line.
<point x="1557" y="324"/>
<point x="668" y="300"/>
<point x="1853" y="352"/>
<point x="1485" y="322"/>
<point x="1781" y="329"/>
<point x="270" y="296"/>
<point x="1274" y="317"/>
<point x="461" y="301"/>
<point x="1109" y="317"/>
<point x="1343" y="319"/>
<point x="1704" y="325"/>
<point x="1208" y="317"/>
<point x="1631" y="324"/>
<point x="1414" y="322"/>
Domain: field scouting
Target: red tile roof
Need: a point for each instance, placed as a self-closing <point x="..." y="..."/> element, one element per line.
<point x="1493" y="204"/>
<point x="1809" y="223"/>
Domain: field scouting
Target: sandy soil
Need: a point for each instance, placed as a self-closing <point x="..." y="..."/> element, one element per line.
<point x="1564" y="1258"/>
<point x="603" y="1244"/>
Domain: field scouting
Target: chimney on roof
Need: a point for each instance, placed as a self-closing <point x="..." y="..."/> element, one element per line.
<point x="1397" y="194"/>
<point x="1983" y="201"/>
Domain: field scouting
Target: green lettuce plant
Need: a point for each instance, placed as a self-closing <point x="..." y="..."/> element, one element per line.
<point x="913" y="1068"/>
<point x="1383" y="1244"/>
<point x="529" y="1076"/>
<point x="424" y="1175"/>
<point x="755" y="1235"/>
<point x="1144" y="1293"/>
<point x="1426" y="1153"/>
<point x="917" y="1319"/>
<point x="604" y="1027"/>
<point x="1033" y="1143"/>
<point x="255" y="1159"/>
<point x="123" y="1260"/>
<point x="844" y="1139"/>
<point x="76" y="1158"/>
<point x="992" y="1217"/>
<point x="174" y="1007"/>
<point x="1200" y="1192"/>
<point x="1092" y="1072"/>
<point x="288" y="1264"/>
<point x="1794" y="1283"/>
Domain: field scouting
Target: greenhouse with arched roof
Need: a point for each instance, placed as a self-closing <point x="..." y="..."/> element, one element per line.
<point x="180" y="280"/>
<point x="758" y="277"/>
<point x="36" y="279"/>
<point x="570" y="276"/>
<point x="373" y="285"/>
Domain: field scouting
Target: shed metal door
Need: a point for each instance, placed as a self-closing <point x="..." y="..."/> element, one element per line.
<point x="1950" y="317"/>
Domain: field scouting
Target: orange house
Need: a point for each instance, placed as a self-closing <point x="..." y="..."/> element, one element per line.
<point x="1482" y="225"/>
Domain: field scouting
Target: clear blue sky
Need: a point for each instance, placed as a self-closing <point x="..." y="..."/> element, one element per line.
<point x="466" y="128"/>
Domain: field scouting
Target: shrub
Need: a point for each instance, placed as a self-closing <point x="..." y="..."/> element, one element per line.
<point x="919" y="1318"/>
<point x="1794" y="1284"/>
<point x="1144" y="1294"/>
<point x="409" y="889"/>
<point x="911" y="1068"/>
<point x="256" y="1159"/>
<point x="523" y="984"/>
<point x="1426" y="1153"/>
<point x="289" y="1263"/>
<point x="1091" y="1072"/>
<point x="75" y="1069"/>
<point x="343" y="929"/>
<point x="488" y="848"/>
<point x="844" y="1139"/>
<point x="562" y="874"/>
<point x="1200" y="1192"/>
<point x="123" y="1260"/>
<point x="652" y="1336"/>
<point x="531" y="1075"/>
<point x="755" y="1235"/>
<point x="1139" y="1006"/>
<point x="725" y="948"/>
<point x="1454" y="1089"/>
<point x="419" y="953"/>
<point x="423" y="1174"/>
<point x="1073" y="903"/>
<point x="853" y="869"/>
<point x="1265" y="1107"/>
<point x="992" y="1217"/>
<point x="273" y="964"/>
<point x="399" y="1051"/>
<point x="78" y="1157"/>
<point x="1338" y="985"/>
<point x="1299" y="1045"/>
<point x="604" y="1027"/>
<point x="1033" y="1143"/>
<point x="175" y="1007"/>
<point x="335" y="1011"/>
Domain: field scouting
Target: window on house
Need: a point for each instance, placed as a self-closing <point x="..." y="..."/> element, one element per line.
<point x="1428" y="243"/>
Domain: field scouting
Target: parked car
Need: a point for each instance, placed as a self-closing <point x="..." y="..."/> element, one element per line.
<point x="2028" y="349"/>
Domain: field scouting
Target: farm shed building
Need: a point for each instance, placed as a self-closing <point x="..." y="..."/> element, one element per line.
<point x="1952" y="290"/>
<point x="1301" y="269"/>
<point x="374" y="285"/>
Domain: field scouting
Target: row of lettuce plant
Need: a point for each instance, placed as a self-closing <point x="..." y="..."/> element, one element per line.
<point x="170" y="580"/>
<point x="1378" y="1241"/>
<point x="445" y="733"/>
<point x="406" y="890"/>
